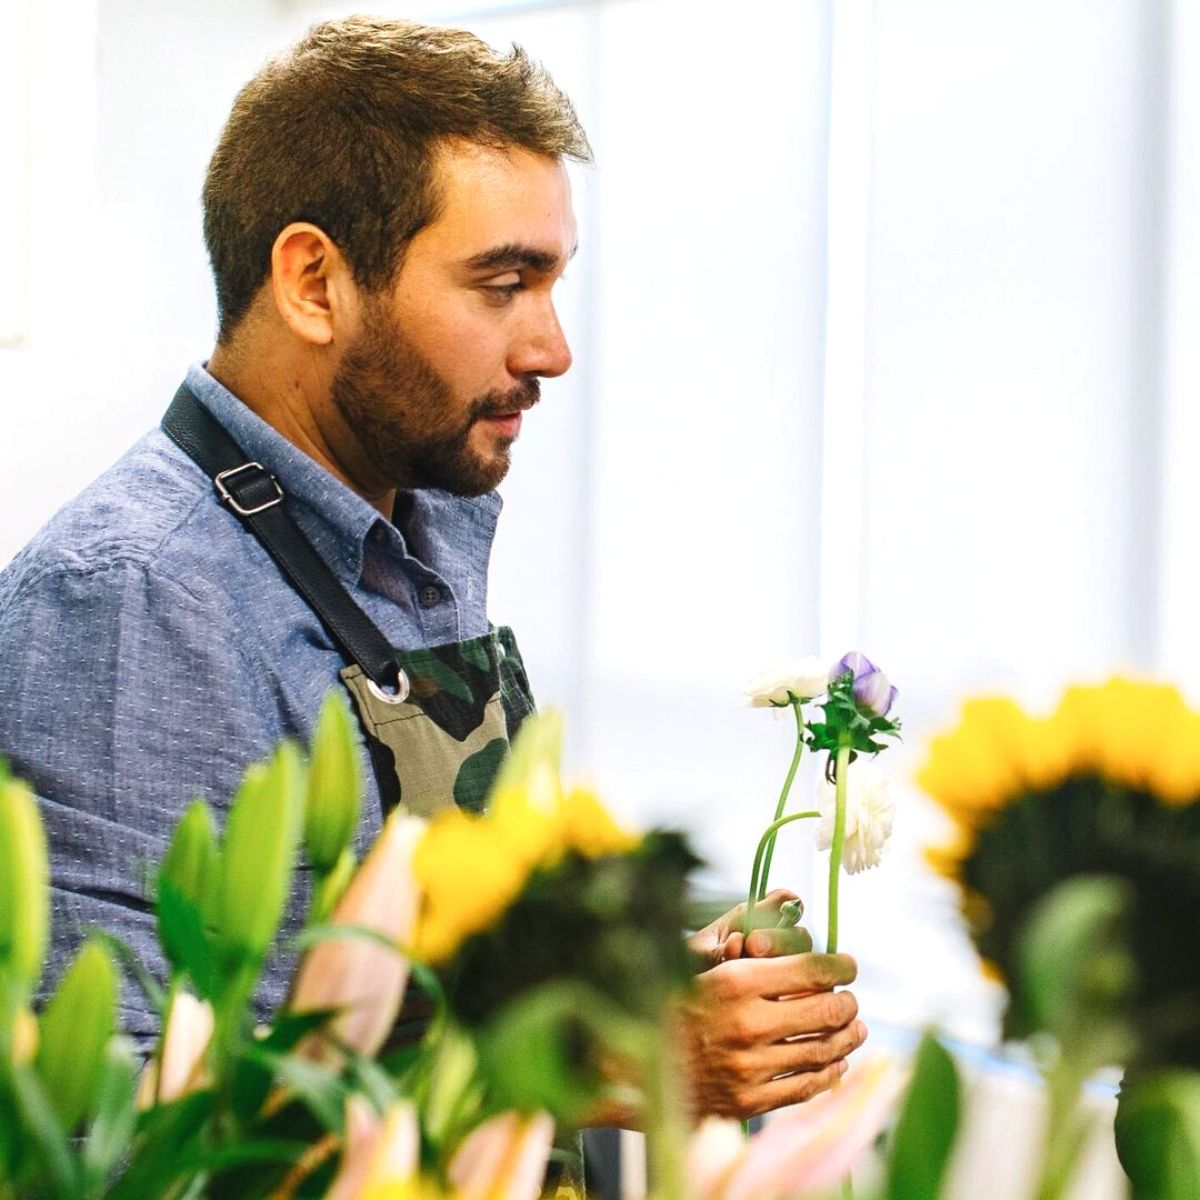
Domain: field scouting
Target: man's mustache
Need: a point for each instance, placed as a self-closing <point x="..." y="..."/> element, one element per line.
<point x="505" y="404"/>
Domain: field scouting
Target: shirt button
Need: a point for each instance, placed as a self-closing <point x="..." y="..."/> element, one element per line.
<point x="429" y="596"/>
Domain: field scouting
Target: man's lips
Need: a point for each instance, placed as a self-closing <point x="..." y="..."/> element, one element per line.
<point x="506" y="424"/>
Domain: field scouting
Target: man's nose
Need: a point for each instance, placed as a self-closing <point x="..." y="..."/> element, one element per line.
<point x="543" y="349"/>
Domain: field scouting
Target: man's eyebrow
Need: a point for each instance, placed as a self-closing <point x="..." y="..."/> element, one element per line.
<point x="514" y="256"/>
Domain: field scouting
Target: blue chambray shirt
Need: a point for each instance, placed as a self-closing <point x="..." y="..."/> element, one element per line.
<point x="150" y="650"/>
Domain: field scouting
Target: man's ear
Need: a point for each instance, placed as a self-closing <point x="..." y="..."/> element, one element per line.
<point x="311" y="283"/>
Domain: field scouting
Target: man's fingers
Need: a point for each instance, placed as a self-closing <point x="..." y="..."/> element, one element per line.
<point x="815" y="1053"/>
<point x="801" y="1016"/>
<point x="793" y="1089"/>
<point x="772" y="943"/>
<point x="797" y="974"/>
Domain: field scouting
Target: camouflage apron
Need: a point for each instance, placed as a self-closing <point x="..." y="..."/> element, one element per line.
<point x="440" y="737"/>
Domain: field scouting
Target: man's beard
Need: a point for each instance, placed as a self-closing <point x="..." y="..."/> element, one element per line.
<point x="403" y="414"/>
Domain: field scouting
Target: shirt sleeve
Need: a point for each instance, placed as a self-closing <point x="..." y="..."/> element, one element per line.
<point x="123" y="695"/>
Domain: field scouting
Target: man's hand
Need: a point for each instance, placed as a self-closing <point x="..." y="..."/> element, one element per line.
<point x="764" y="1027"/>
<point x="726" y="938"/>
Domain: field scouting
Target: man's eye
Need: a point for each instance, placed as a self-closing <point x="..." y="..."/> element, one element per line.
<point x="502" y="293"/>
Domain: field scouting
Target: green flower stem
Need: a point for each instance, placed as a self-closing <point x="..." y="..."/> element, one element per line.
<point x="797" y="708"/>
<point x="766" y="840"/>
<point x="1065" y="1129"/>
<point x="667" y="1126"/>
<point x="839" y="838"/>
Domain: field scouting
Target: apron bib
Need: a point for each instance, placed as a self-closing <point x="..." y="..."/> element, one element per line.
<point x="439" y="738"/>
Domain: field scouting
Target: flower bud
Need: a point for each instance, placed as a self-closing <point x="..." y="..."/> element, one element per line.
<point x="259" y="853"/>
<point x="75" y="1030"/>
<point x="185" y="1040"/>
<point x="24" y="1037"/>
<point x="334" y="785"/>
<point x="381" y="1155"/>
<point x="24" y="884"/>
<point x="355" y="975"/>
<point x="874" y="694"/>
<point x="192" y="861"/>
<point x="504" y="1158"/>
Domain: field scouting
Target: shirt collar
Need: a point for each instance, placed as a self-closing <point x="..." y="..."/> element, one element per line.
<point x="337" y="519"/>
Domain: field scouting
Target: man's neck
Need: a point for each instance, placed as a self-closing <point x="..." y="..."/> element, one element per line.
<point x="295" y="404"/>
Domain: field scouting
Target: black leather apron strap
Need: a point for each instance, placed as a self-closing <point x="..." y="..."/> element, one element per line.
<point x="255" y="496"/>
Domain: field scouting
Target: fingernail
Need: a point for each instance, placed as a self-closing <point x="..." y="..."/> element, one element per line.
<point x="860" y="1032"/>
<point x="842" y="1066"/>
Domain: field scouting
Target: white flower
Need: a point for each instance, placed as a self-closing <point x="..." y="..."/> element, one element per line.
<point x="869" y="812"/>
<point x="803" y="679"/>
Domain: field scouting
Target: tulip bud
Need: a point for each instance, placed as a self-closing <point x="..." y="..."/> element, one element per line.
<point x="24" y="884"/>
<point x="185" y="1039"/>
<point x="259" y="853"/>
<point x="24" y="1037"/>
<point x="504" y="1158"/>
<point x="361" y="979"/>
<point x="76" y="1027"/>
<point x="334" y="785"/>
<point x="192" y="860"/>
<point x="381" y="1154"/>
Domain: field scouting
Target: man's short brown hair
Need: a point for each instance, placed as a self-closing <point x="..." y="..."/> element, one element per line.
<point x="342" y="129"/>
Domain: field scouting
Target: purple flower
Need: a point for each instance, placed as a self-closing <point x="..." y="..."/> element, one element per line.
<point x="873" y="692"/>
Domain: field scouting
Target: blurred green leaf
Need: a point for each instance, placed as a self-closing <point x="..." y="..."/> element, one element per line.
<point x="134" y="969"/>
<point x="185" y="941"/>
<point x="334" y="784"/>
<point x="927" y="1127"/>
<point x="328" y="889"/>
<point x="1076" y="975"/>
<point x="1158" y="1135"/>
<point x="46" y="1137"/>
<point x="253" y="1076"/>
<point x="163" y="1143"/>
<point x="320" y="1090"/>
<point x="259" y="854"/>
<point x="24" y="887"/>
<point x="75" y="1029"/>
<point x="116" y="1115"/>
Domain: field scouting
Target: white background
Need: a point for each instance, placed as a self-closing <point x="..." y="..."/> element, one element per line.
<point x="885" y="326"/>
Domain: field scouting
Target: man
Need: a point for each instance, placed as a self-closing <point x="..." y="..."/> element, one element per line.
<point x="387" y="214"/>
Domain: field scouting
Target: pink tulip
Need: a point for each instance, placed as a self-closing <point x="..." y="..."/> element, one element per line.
<point x="504" y="1159"/>
<point x="379" y="1154"/>
<point x="358" y="977"/>
<point x="803" y="1149"/>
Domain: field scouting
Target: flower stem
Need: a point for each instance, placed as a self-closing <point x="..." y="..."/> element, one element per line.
<point x="667" y="1125"/>
<point x="768" y="838"/>
<point x="797" y="708"/>
<point x="842" y="768"/>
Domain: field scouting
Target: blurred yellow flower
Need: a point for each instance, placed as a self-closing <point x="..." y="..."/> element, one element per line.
<point x="471" y="867"/>
<point x="1133" y="734"/>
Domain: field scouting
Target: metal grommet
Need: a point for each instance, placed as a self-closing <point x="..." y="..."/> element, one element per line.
<point x="403" y="687"/>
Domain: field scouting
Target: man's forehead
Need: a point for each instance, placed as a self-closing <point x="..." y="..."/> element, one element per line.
<point x="502" y="208"/>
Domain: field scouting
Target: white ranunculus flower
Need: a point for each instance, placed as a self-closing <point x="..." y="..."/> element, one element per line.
<point x="869" y="813"/>
<point x="805" y="679"/>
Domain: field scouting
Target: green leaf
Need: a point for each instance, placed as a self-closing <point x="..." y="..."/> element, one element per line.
<point x="185" y="941"/>
<point x="75" y="1029"/>
<point x="134" y="969"/>
<point x="253" y="1077"/>
<point x="334" y="798"/>
<point x="164" y="1142"/>
<point x="259" y="854"/>
<point x="320" y="1090"/>
<point x="24" y="887"/>
<point x="47" y="1137"/>
<point x="116" y="1115"/>
<point x="1158" y="1135"/>
<point x="1076" y="975"/>
<point x="927" y="1127"/>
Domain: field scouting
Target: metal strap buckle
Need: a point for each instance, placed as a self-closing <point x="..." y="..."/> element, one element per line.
<point x="228" y="497"/>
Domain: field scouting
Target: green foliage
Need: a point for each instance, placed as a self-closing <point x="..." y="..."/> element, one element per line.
<point x="24" y="882"/>
<point x="334" y="785"/>
<point x="1158" y="1135"/>
<point x="927" y="1127"/>
<point x="76" y="1027"/>
<point x="1077" y="975"/>
<point x="258" y="856"/>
